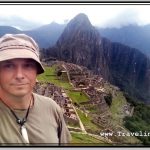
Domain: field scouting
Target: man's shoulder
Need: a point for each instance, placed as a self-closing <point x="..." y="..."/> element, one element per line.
<point x="45" y="100"/>
<point x="37" y="96"/>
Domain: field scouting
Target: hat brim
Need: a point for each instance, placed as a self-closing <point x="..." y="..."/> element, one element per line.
<point x="23" y="53"/>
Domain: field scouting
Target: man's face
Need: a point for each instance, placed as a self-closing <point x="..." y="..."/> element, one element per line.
<point x="17" y="76"/>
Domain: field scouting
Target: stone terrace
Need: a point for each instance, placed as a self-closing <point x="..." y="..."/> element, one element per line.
<point x="93" y="86"/>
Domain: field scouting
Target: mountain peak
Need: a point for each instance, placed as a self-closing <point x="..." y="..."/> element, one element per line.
<point x="78" y="28"/>
<point x="81" y="20"/>
<point x="81" y="17"/>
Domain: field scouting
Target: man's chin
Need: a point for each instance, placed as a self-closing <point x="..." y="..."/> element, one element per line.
<point x="21" y="93"/>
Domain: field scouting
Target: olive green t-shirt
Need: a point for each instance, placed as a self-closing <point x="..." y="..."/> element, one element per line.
<point x="45" y="124"/>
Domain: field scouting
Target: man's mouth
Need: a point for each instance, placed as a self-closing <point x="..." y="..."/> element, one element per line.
<point x="20" y="84"/>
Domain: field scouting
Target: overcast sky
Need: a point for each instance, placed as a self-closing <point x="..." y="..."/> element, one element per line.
<point x="31" y="16"/>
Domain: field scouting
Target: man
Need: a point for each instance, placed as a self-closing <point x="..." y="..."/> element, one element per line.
<point x="26" y="117"/>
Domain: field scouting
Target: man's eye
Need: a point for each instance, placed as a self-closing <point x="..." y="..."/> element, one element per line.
<point x="30" y="65"/>
<point x="8" y="66"/>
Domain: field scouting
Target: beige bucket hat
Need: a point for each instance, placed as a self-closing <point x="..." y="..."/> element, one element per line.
<point x="19" y="46"/>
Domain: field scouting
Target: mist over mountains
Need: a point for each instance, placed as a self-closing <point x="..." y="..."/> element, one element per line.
<point x="81" y="43"/>
<point x="47" y="35"/>
<point x="18" y="22"/>
<point x="132" y="35"/>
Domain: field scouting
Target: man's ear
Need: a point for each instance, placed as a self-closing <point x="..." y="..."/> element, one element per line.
<point x="37" y="80"/>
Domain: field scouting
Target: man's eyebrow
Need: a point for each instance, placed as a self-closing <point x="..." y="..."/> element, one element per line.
<point x="7" y="61"/>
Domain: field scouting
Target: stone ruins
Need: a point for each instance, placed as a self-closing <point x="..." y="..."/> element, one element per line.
<point x="84" y="81"/>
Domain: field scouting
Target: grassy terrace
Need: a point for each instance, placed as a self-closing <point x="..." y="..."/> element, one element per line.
<point x="86" y="120"/>
<point x="86" y="140"/>
<point x="117" y="108"/>
<point x="77" y="97"/>
<point x="50" y="76"/>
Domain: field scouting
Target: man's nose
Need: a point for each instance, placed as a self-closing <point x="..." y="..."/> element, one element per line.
<point x="19" y="72"/>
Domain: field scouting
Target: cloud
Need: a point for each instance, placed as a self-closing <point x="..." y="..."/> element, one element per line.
<point x="18" y="22"/>
<point x="124" y="18"/>
<point x="27" y="17"/>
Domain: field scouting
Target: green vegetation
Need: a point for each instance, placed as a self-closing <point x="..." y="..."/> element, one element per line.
<point x="140" y="121"/>
<point x="50" y="76"/>
<point x="131" y="99"/>
<point x="72" y="124"/>
<point x="77" y="97"/>
<point x="117" y="108"/>
<point x="87" y="122"/>
<point x="92" y="108"/>
<point x="79" y="139"/>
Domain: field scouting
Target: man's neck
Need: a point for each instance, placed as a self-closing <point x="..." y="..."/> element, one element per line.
<point x="21" y="102"/>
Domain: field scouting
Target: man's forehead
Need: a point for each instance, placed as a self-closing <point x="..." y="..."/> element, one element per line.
<point x="25" y="60"/>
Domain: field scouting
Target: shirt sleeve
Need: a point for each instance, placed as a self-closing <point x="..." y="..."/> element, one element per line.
<point x="63" y="132"/>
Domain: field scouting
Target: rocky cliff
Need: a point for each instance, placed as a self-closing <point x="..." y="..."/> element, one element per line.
<point x="129" y="69"/>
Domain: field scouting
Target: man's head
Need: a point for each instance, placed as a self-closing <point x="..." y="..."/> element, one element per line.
<point x="19" y="64"/>
<point x="20" y="46"/>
